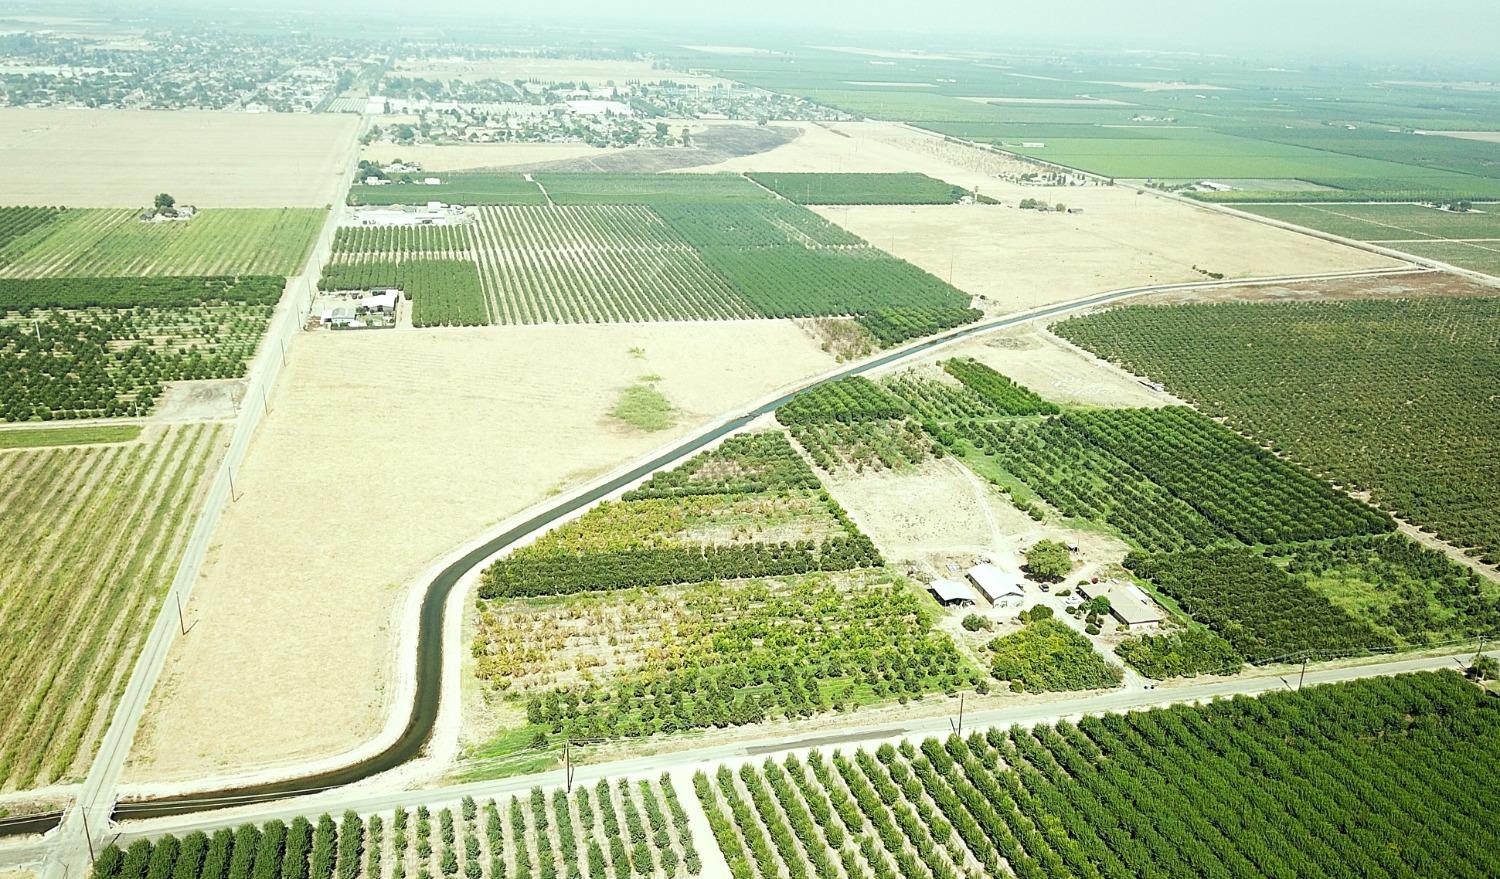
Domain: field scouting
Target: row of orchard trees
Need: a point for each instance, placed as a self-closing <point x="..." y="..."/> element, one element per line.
<point x="277" y="850"/>
<point x="561" y="573"/>
<point x="620" y="830"/>
<point x="1292" y="784"/>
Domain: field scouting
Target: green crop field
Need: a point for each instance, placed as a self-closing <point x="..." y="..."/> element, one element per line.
<point x="16" y="222"/>
<point x="1202" y="155"/>
<point x="92" y="540"/>
<point x="1174" y="119"/>
<point x="42" y="437"/>
<point x="595" y="264"/>
<point x="798" y="282"/>
<point x="1290" y="784"/>
<point x="465" y="188"/>
<point x="771" y="224"/>
<point x="1476" y="256"/>
<point x="618" y="829"/>
<point x="217" y="241"/>
<point x="1468" y="239"/>
<point x="839" y="189"/>
<point x="1404" y="223"/>
<point x="643" y="247"/>
<point x="648" y="189"/>
<point x="96" y="348"/>
<point x="1393" y="397"/>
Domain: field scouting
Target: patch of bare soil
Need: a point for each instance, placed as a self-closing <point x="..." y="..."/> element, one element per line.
<point x="1396" y="286"/>
<point x="711" y="144"/>
<point x="939" y="518"/>
<point x="206" y="400"/>
<point x="1059" y="371"/>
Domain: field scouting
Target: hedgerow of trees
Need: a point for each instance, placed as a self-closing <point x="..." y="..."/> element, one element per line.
<point x="1047" y="655"/>
<point x="1187" y="653"/>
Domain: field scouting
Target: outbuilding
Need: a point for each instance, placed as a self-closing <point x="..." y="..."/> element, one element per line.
<point x="951" y="593"/>
<point x="1131" y="607"/>
<point x="1002" y="588"/>
<point x="383" y="301"/>
<point x="339" y="316"/>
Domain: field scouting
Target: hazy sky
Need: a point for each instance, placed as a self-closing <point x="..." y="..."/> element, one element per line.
<point x="1465" y="32"/>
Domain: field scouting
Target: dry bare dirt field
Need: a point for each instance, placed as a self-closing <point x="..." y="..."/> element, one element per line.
<point x="1018" y="259"/>
<point x="1057" y="370"/>
<point x="383" y="451"/>
<point x="1401" y="286"/>
<point x="1486" y="136"/>
<point x="123" y="158"/>
<point x="941" y="512"/>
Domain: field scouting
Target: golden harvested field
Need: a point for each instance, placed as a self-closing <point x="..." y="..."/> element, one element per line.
<point x="1017" y="259"/>
<point x="383" y="452"/>
<point x="123" y="158"/>
<point x="92" y="539"/>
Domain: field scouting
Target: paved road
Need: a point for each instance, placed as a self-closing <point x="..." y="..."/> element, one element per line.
<point x="86" y="822"/>
<point x="432" y="653"/>
<point x="1033" y="712"/>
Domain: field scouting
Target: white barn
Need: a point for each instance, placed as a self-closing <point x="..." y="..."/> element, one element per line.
<point x="383" y="301"/>
<point x="1002" y="588"/>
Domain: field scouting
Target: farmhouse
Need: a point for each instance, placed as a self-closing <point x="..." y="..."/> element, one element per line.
<point x="951" y="593"/>
<point x="1002" y="588"/>
<point x="1131" y="607"/>
<point x="381" y="301"/>
<point x="339" y="316"/>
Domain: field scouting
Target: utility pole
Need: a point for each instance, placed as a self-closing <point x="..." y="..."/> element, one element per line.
<point x="181" y="623"/>
<point x="83" y="811"/>
<point x="568" y="764"/>
<point x="232" y="495"/>
<point x="1304" y="671"/>
<point x="958" y="727"/>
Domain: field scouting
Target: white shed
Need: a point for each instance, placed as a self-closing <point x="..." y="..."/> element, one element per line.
<point x="383" y="301"/>
<point x="951" y="593"/>
<point x="1002" y="588"/>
